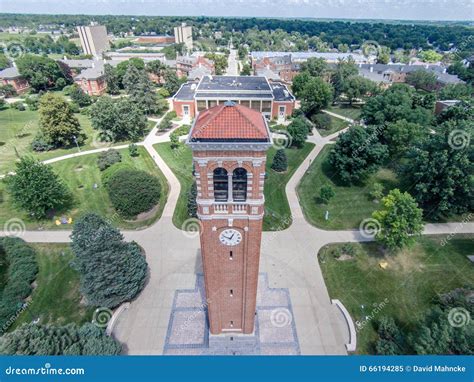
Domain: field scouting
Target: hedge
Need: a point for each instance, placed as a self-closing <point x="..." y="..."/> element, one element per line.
<point x="22" y="271"/>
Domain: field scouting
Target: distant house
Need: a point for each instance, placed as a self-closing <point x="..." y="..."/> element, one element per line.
<point x="92" y="80"/>
<point x="272" y="99"/>
<point x="73" y="67"/>
<point x="387" y="74"/>
<point x="11" y="76"/>
<point x="186" y="64"/>
<point x="155" y="40"/>
<point x="441" y="105"/>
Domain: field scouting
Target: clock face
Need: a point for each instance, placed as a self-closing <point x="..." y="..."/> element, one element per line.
<point x="230" y="237"/>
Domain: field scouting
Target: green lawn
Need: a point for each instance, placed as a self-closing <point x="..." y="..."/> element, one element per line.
<point x="277" y="210"/>
<point x="405" y="289"/>
<point x="56" y="298"/>
<point x="180" y="162"/>
<point x="277" y="215"/>
<point x="80" y="174"/>
<point x="336" y="125"/>
<point x="346" y="111"/>
<point x="349" y="206"/>
<point x="19" y="128"/>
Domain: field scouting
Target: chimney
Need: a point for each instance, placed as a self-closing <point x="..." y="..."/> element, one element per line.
<point x="371" y="69"/>
<point x="93" y="64"/>
<point x="444" y="70"/>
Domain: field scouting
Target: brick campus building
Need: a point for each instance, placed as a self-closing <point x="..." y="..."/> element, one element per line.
<point x="272" y="99"/>
<point x="229" y="143"/>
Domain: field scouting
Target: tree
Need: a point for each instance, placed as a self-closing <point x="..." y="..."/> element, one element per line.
<point x="421" y="79"/>
<point x="7" y="91"/>
<point x="112" y="79"/>
<point x="79" y="97"/>
<point x="111" y="271"/>
<point x="242" y="52"/>
<point x="316" y="67"/>
<point x="430" y="56"/>
<point x="138" y="86"/>
<point x="118" y="119"/>
<point x="455" y="91"/>
<point x="357" y="87"/>
<point x="42" y="73"/>
<point x="390" y="340"/>
<point x="220" y="62"/>
<point x="344" y="70"/>
<point x="326" y="193"/>
<point x="246" y="70"/>
<point x="33" y="339"/>
<point x="298" y="132"/>
<point x="299" y="82"/>
<point x="400" y="220"/>
<point x="4" y="61"/>
<point x="401" y="136"/>
<point x="122" y="67"/>
<point x="172" y="82"/>
<point x="133" y="150"/>
<point x="315" y="95"/>
<point x="37" y="189"/>
<point x="280" y="161"/>
<point x="383" y="55"/>
<point x="440" y="168"/>
<point x="57" y="121"/>
<point x="377" y="191"/>
<point x="357" y="154"/>
<point x="192" y="204"/>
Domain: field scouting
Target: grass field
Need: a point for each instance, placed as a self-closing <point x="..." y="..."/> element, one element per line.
<point x="277" y="216"/>
<point x="336" y="125"/>
<point x="80" y="174"/>
<point x="180" y="162"/>
<point x="349" y="206"/>
<point x="406" y="287"/>
<point x="19" y="128"/>
<point x="277" y="210"/>
<point x="346" y="111"/>
<point x="56" y="298"/>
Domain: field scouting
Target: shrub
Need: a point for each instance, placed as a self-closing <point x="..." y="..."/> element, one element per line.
<point x="22" y="269"/>
<point x="133" y="150"/>
<point x="18" y="106"/>
<point x="32" y="102"/>
<point x="298" y="130"/>
<point x="79" y="97"/>
<point x="180" y="131"/>
<point x="377" y="191"/>
<point x="280" y="161"/>
<point x="132" y="192"/>
<point x="108" y="158"/>
<point x="110" y="171"/>
<point x="7" y="91"/>
<point x="326" y="193"/>
<point x="322" y="121"/>
<point x="192" y="204"/>
<point x="40" y="143"/>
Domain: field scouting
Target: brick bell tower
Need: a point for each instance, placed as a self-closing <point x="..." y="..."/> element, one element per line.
<point x="229" y="144"/>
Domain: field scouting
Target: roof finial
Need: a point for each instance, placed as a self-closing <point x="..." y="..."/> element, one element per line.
<point x="229" y="103"/>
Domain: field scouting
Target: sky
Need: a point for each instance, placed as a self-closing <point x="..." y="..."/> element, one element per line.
<point x="351" y="9"/>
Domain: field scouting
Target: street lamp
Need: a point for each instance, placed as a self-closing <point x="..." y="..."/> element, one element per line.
<point x="75" y="141"/>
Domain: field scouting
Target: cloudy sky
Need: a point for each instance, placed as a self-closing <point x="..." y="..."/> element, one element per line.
<point x="360" y="9"/>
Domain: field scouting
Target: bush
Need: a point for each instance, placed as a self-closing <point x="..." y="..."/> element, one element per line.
<point x="22" y="269"/>
<point x="7" y="91"/>
<point x="298" y="130"/>
<point x="108" y="158"/>
<point x="79" y="97"/>
<point x="280" y="161"/>
<point x="326" y="193"/>
<point x="322" y="121"/>
<point x="18" y="106"/>
<point x="133" y="150"/>
<point x="377" y="191"/>
<point x="40" y="143"/>
<point x="132" y="192"/>
<point x="180" y="131"/>
<point x="192" y="204"/>
<point x="166" y="123"/>
<point x="32" y="102"/>
<point x="112" y="170"/>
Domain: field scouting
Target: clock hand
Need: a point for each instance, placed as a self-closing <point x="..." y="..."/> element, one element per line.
<point x="232" y="236"/>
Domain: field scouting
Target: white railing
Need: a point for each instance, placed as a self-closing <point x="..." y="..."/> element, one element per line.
<point x="239" y="208"/>
<point x="220" y="208"/>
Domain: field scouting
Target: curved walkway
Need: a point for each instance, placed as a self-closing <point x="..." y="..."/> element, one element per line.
<point x="289" y="258"/>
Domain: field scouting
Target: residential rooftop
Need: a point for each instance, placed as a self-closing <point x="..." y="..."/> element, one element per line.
<point x="10" y="73"/>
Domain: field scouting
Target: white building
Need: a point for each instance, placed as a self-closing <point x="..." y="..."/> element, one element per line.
<point x="184" y="35"/>
<point x="94" y="39"/>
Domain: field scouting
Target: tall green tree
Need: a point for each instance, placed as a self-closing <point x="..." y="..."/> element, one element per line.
<point x="401" y="136"/>
<point x="316" y="67"/>
<point x="316" y="95"/>
<point x="440" y="170"/>
<point x="37" y="189"/>
<point x="344" y="70"/>
<point x="139" y="87"/>
<point x="57" y="121"/>
<point x="172" y="82"/>
<point x="112" y="79"/>
<point x="42" y="73"/>
<point x="400" y="220"/>
<point x="357" y="154"/>
<point x="421" y="79"/>
<point x="111" y="271"/>
<point x="357" y="87"/>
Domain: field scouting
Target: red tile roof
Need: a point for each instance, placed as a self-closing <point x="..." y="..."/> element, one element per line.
<point x="230" y="121"/>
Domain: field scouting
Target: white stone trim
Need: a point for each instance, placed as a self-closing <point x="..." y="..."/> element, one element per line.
<point x="352" y="345"/>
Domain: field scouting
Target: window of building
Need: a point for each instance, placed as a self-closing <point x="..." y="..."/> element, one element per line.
<point x="239" y="184"/>
<point x="231" y="256"/>
<point x="212" y="103"/>
<point x="245" y="103"/>
<point x="220" y="184"/>
<point x="201" y="105"/>
<point x="256" y="105"/>
<point x="231" y="293"/>
<point x="266" y="106"/>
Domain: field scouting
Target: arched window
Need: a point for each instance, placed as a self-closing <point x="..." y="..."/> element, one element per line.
<point x="239" y="184"/>
<point x="221" y="188"/>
